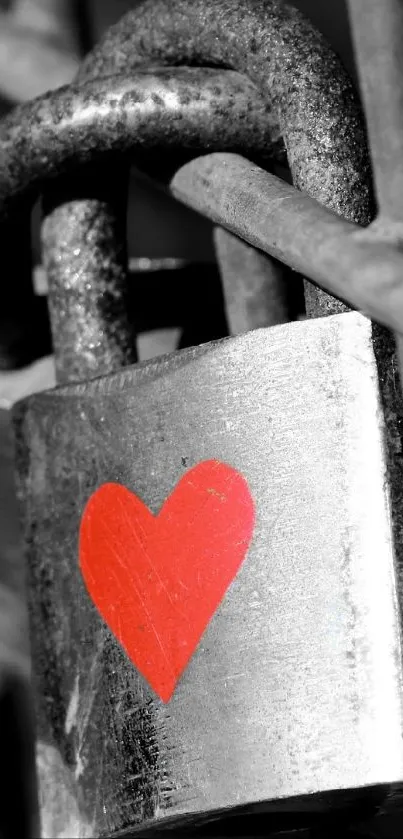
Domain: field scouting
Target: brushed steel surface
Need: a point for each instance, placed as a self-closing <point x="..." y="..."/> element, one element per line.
<point x="296" y="686"/>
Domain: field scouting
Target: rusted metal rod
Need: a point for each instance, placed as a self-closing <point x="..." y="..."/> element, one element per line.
<point x="273" y="216"/>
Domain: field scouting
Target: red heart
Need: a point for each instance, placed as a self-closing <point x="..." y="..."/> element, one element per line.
<point x="157" y="580"/>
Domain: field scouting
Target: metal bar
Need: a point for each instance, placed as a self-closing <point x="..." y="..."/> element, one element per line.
<point x="256" y="292"/>
<point x="346" y="260"/>
<point x="377" y="30"/>
<point x="87" y="299"/>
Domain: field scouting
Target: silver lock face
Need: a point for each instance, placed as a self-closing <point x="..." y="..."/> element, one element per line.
<point x="296" y="685"/>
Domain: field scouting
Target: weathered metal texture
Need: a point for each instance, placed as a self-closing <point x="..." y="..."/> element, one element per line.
<point x="273" y="41"/>
<point x="86" y="124"/>
<point x="312" y="100"/>
<point x="354" y="264"/>
<point x="169" y="301"/>
<point x="91" y="330"/>
<point x="296" y="686"/>
<point x="194" y="109"/>
<point x="257" y="288"/>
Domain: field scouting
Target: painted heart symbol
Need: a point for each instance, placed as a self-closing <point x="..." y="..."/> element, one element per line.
<point x="157" y="580"/>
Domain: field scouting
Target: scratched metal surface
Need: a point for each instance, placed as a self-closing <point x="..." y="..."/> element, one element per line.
<point x="296" y="686"/>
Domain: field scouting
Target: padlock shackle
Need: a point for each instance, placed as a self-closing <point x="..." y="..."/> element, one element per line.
<point x="304" y="85"/>
<point x="309" y="102"/>
<point x="91" y="333"/>
<point x="308" y="93"/>
<point x="79" y="124"/>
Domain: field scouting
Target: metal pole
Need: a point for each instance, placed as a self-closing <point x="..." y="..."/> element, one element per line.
<point x="377" y="31"/>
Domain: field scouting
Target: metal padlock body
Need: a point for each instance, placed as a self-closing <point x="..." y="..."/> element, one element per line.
<point x="295" y="687"/>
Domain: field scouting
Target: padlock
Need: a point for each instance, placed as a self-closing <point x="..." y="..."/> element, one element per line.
<point x="212" y="588"/>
